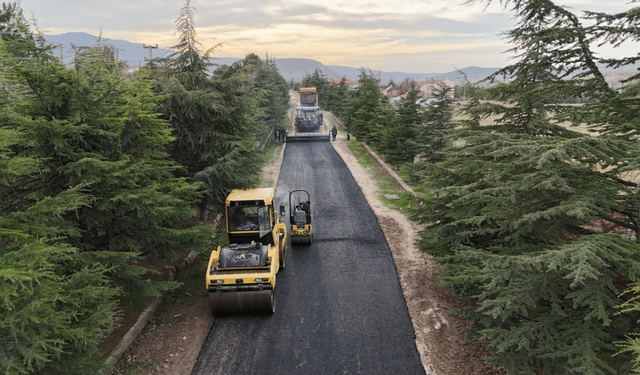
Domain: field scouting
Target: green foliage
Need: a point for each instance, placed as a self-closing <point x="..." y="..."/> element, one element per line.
<point x="522" y="207"/>
<point x="366" y="107"/>
<point x="339" y="99"/>
<point x="86" y="188"/>
<point x="96" y="130"/>
<point x="271" y="87"/>
<point x="404" y="130"/>
<point x="214" y="120"/>
<point x="54" y="307"/>
<point x="439" y="119"/>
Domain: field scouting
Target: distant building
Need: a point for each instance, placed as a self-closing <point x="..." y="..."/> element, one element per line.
<point x="432" y="87"/>
<point x="131" y="70"/>
<point x="351" y="84"/>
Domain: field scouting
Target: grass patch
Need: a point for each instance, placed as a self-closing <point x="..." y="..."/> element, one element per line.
<point x="404" y="175"/>
<point x="192" y="280"/>
<point x="388" y="188"/>
<point x="129" y="366"/>
<point x="404" y="201"/>
<point x="271" y="152"/>
<point x="363" y="157"/>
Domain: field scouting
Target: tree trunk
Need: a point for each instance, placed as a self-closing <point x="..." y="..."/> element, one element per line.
<point x="204" y="213"/>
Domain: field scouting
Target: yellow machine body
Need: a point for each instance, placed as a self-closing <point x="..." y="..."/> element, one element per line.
<point x="301" y="235"/>
<point x="300" y="218"/>
<point x="241" y="277"/>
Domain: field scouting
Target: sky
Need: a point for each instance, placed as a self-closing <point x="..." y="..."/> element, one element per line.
<point x="390" y="35"/>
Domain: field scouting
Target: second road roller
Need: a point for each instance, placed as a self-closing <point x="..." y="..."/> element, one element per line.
<point x="300" y="217"/>
<point x="241" y="277"/>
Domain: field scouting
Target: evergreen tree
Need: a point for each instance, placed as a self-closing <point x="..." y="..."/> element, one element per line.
<point x="439" y="119"/>
<point x="55" y="305"/>
<point x="271" y="88"/>
<point x="341" y="97"/>
<point x="93" y="129"/>
<point x="97" y="131"/>
<point x="213" y="119"/>
<point x="367" y="105"/>
<point x="520" y="205"/>
<point x="401" y="142"/>
<point x="618" y="117"/>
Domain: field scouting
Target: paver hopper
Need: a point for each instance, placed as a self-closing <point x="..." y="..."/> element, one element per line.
<point x="309" y="124"/>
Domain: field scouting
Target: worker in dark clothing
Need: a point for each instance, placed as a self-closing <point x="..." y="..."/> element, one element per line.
<point x="334" y="132"/>
<point x="238" y="218"/>
<point x="307" y="209"/>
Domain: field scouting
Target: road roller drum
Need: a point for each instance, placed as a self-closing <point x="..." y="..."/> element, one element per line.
<point x="242" y="302"/>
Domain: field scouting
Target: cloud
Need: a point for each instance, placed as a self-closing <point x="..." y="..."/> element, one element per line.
<point x="395" y="34"/>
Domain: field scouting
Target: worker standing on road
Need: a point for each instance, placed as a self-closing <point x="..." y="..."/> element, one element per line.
<point x="334" y="132"/>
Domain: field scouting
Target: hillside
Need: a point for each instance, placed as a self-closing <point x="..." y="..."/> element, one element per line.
<point x="291" y="68"/>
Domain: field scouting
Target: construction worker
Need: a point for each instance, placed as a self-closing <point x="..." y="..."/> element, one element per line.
<point x="306" y="207"/>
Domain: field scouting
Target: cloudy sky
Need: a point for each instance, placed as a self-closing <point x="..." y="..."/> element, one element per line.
<point x="391" y="35"/>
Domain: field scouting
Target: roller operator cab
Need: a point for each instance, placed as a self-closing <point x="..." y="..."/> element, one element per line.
<point x="241" y="277"/>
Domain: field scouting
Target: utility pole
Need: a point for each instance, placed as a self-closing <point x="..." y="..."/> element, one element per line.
<point x="150" y="48"/>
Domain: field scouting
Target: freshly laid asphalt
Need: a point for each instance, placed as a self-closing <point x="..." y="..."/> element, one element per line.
<point x="340" y="308"/>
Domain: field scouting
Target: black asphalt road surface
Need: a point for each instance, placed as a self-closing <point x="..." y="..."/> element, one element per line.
<point x="340" y="308"/>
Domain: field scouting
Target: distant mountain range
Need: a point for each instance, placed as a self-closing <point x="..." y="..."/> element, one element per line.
<point x="290" y="68"/>
<point x="296" y="68"/>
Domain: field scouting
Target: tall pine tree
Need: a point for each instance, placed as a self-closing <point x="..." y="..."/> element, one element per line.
<point x="366" y="107"/>
<point x="213" y="118"/>
<point x="520" y="208"/>
<point x="55" y="305"/>
<point x="401" y="137"/>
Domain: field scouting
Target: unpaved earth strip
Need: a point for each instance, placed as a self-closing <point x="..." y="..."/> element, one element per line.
<point x="172" y="341"/>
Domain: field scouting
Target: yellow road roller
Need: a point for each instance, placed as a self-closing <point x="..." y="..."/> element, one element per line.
<point x="241" y="277"/>
<point x="300" y="218"/>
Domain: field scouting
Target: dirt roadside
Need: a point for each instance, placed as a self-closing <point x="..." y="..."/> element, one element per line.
<point x="171" y="342"/>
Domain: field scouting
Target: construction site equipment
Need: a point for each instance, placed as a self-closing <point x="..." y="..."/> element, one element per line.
<point x="309" y="120"/>
<point x="300" y="217"/>
<point x="241" y="277"/>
